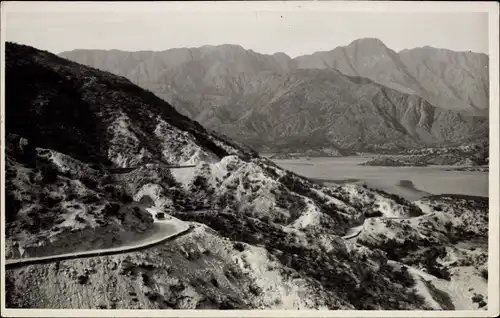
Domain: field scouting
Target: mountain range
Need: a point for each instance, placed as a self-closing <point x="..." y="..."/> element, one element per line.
<point x="260" y="237"/>
<point x="363" y="96"/>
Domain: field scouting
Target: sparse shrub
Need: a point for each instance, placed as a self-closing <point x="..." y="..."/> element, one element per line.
<point x="147" y="200"/>
<point x="294" y="184"/>
<point x="152" y="296"/>
<point x="229" y="303"/>
<point x="193" y="255"/>
<point x="109" y="188"/>
<point x="146" y="266"/>
<point x="477" y="298"/>
<point x="254" y="289"/>
<point x="246" y="184"/>
<point x="214" y="282"/>
<point x="127" y="268"/>
<point x="12" y="206"/>
<point x="373" y="214"/>
<point x="200" y="182"/>
<point x="49" y="174"/>
<point x="101" y="222"/>
<point x="415" y="210"/>
<point x="83" y="279"/>
<point x="126" y="198"/>
<point x="256" y="188"/>
<point x="431" y="264"/>
<point x="484" y="273"/>
<point x="265" y="219"/>
<point x="239" y="247"/>
<point x="90" y="198"/>
<point x="50" y="202"/>
<point x="111" y="209"/>
<point x="80" y="219"/>
<point x="146" y="279"/>
<point x="197" y="281"/>
<point x="89" y="183"/>
<point x="70" y="196"/>
<point x="106" y="180"/>
<point x="404" y="277"/>
<point x="448" y="225"/>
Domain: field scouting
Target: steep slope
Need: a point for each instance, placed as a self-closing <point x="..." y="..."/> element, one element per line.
<point x="450" y="78"/>
<point x="368" y="58"/>
<point x="262" y="101"/>
<point x="196" y="78"/>
<point x="262" y="237"/>
<point x="71" y="121"/>
<point x="318" y="108"/>
<point x="232" y="90"/>
<point x="446" y="79"/>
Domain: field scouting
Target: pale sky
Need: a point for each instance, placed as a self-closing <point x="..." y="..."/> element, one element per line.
<point x="294" y="32"/>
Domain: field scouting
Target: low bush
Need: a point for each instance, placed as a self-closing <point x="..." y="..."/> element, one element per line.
<point x="239" y="247"/>
<point x="49" y="174"/>
<point x="83" y="279"/>
<point x="214" y="282"/>
<point x="126" y="198"/>
<point x="153" y="296"/>
<point x="12" y="206"/>
<point x="90" y="198"/>
<point x="373" y="214"/>
<point x="484" y="273"/>
<point x="89" y="183"/>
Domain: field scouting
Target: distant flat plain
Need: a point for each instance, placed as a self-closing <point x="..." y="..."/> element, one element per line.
<point x="411" y="183"/>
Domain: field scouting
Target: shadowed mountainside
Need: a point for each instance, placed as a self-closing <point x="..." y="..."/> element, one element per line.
<point x="273" y="101"/>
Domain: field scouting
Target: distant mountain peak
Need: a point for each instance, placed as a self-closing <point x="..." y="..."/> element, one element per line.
<point x="280" y="54"/>
<point x="217" y="85"/>
<point x="223" y="47"/>
<point x="375" y="42"/>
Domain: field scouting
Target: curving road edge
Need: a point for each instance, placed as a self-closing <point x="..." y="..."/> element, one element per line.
<point x="184" y="229"/>
<point x="357" y="230"/>
<point x="13" y="263"/>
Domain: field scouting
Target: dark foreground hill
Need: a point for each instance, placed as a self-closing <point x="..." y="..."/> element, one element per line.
<point x="263" y="237"/>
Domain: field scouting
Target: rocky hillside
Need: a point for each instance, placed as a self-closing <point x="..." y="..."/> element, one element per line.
<point x="446" y="79"/>
<point x="262" y="236"/>
<point x="194" y="77"/>
<point x="241" y="93"/>
<point x="465" y="155"/>
<point x="326" y="109"/>
<point x="69" y="123"/>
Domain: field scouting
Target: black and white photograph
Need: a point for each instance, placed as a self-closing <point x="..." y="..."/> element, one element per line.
<point x="215" y="158"/>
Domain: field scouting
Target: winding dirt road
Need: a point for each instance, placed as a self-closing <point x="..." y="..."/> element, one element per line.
<point x="130" y="169"/>
<point x="355" y="231"/>
<point x="164" y="230"/>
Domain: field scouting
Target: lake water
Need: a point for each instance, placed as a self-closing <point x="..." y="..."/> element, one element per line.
<point x="426" y="180"/>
